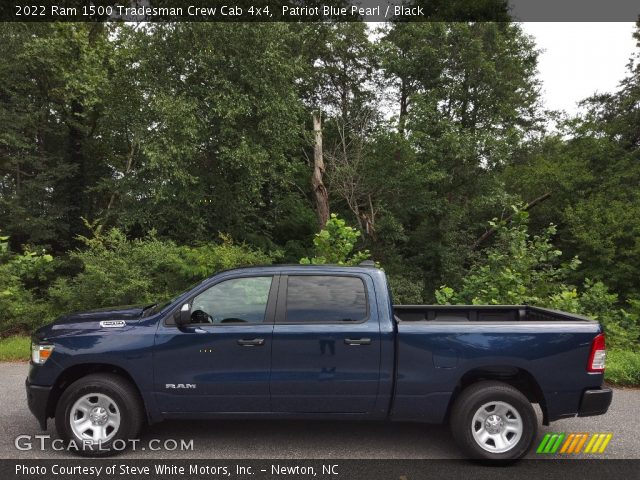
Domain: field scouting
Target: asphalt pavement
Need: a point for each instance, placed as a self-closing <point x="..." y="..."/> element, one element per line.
<point x="229" y="439"/>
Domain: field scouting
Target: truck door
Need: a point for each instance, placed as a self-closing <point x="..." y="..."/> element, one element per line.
<point x="326" y="345"/>
<point x="221" y="362"/>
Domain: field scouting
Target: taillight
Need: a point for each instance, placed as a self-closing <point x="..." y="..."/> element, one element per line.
<point x="597" y="355"/>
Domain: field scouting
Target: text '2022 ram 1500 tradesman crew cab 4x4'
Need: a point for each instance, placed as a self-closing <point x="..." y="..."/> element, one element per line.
<point x="321" y="342"/>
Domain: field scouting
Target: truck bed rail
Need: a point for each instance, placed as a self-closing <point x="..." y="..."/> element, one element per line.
<point x="481" y="313"/>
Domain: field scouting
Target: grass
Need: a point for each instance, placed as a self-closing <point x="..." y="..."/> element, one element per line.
<point x="623" y="368"/>
<point x="17" y="348"/>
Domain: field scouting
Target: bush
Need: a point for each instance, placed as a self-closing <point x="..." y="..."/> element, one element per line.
<point x="120" y="271"/>
<point x="111" y="270"/>
<point x="517" y="269"/>
<point x="203" y="261"/>
<point x="621" y="324"/>
<point x="623" y="367"/>
<point x="405" y="291"/>
<point x="521" y="269"/>
<point x="335" y="243"/>
<point x="21" y="307"/>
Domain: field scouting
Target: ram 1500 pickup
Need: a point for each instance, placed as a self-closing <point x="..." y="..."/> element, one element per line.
<point x="321" y="342"/>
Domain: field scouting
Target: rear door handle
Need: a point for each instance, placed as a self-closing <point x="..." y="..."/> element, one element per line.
<point x="357" y="341"/>
<point x="254" y="342"/>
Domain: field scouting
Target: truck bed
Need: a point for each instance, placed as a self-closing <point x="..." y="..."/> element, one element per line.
<point x="481" y="313"/>
<point x="438" y="346"/>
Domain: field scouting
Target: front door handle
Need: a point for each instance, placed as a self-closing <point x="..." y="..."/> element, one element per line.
<point x="254" y="342"/>
<point x="357" y="341"/>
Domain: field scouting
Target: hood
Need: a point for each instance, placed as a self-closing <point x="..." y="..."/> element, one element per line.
<point x="128" y="312"/>
<point x="92" y="321"/>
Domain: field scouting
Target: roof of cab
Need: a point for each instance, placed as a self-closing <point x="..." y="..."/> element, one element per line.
<point x="295" y="267"/>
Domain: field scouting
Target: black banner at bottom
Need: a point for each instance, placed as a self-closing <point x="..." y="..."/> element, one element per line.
<point x="205" y="469"/>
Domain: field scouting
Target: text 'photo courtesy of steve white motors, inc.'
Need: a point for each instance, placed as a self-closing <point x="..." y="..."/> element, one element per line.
<point x="115" y="469"/>
<point x="189" y="470"/>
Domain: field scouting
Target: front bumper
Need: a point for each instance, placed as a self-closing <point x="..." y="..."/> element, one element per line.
<point x="595" y="402"/>
<point x="38" y="400"/>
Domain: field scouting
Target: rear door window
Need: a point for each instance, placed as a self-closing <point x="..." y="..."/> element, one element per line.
<point x="325" y="299"/>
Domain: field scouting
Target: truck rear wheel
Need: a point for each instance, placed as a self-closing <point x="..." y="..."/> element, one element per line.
<point x="493" y="421"/>
<point x="98" y="414"/>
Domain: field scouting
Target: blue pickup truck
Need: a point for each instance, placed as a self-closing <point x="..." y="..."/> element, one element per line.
<point x="323" y="342"/>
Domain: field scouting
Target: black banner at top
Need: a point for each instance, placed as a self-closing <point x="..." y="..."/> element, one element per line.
<point x="319" y="10"/>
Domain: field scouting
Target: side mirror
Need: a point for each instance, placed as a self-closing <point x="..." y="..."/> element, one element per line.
<point x="183" y="318"/>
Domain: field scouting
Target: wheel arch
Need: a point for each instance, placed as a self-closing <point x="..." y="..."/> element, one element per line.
<point x="76" y="372"/>
<point x="517" y="377"/>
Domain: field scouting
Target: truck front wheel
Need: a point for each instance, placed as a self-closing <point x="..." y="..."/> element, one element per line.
<point x="493" y="421"/>
<point x="99" y="414"/>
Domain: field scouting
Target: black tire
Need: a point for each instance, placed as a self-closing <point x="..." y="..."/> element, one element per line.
<point x="126" y="399"/>
<point x="470" y="402"/>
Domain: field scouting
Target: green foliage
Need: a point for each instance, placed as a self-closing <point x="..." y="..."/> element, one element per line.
<point x="120" y="271"/>
<point x="517" y="269"/>
<point x="21" y="308"/>
<point x="335" y="243"/>
<point x="467" y="99"/>
<point x="591" y="166"/>
<point x="623" y="367"/>
<point x="523" y="269"/>
<point x="148" y="128"/>
<point x="183" y="128"/>
<point x="405" y="290"/>
<point x="190" y="129"/>
<point x="205" y="260"/>
<point x="15" y="349"/>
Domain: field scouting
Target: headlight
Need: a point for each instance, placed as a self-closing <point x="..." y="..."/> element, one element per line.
<point x="40" y="353"/>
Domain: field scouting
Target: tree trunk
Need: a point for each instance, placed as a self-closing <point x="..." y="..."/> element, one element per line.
<point x="76" y="183"/>
<point x="18" y="179"/>
<point x="404" y="101"/>
<point x="319" y="190"/>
